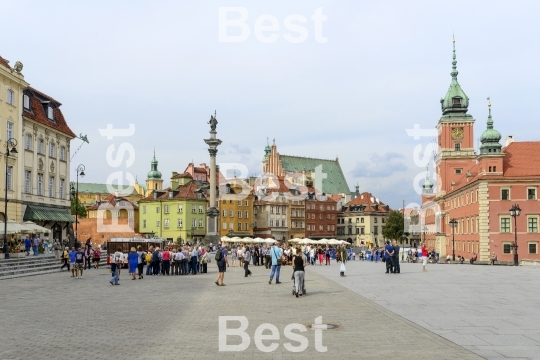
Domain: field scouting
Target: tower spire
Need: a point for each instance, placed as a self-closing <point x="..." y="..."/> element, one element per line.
<point x="454" y="72"/>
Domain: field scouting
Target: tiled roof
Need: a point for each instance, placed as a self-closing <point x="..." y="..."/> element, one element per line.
<point x="522" y="159"/>
<point x="94" y="188"/>
<point x="367" y="199"/>
<point x="184" y="175"/>
<point x="112" y="200"/>
<point x="37" y="113"/>
<point x="199" y="170"/>
<point x="4" y="62"/>
<point x="334" y="183"/>
<point x="184" y="192"/>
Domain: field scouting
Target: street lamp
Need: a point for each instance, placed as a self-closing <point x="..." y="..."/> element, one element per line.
<point x="514" y="212"/>
<point x="453" y="224"/>
<point x="11" y="148"/>
<point x="75" y="192"/>
<point x="192" y="234"/>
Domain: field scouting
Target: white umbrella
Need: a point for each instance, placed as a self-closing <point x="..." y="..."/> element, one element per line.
<point x="225" y="238"/>
<point x="295" y="240"/>
<point x="334" y="242"/>
<point x="13" y="227"/>
<point x="270" y="241"/>
<point x="258" y="240"/>
<point x="305" y="241"/>
<point x="33" y="227"/>
<point x="323" y="241"/>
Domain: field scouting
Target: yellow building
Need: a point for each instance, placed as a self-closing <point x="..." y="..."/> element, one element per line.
<point x="236" y="209"/>
<point x="92" y="193"/>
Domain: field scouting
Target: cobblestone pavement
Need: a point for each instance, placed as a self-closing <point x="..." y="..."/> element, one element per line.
<point x="490" y="310"/>
<point x="58" y="317"/>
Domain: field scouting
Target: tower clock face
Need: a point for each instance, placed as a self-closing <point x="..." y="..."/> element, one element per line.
<point x="457" y="133"/>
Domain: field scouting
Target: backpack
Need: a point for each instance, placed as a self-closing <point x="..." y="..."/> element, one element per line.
<point x="143" y="258"/>
<point x="148" y="257"/>
<point x="219" y="255"/>
<point x="155" y="256"/>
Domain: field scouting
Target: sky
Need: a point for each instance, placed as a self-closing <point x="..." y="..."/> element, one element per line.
<point x="347" y="84"/>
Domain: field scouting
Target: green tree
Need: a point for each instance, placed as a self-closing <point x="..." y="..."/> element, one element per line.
<point x="81" y="210"/>
<point x="393" y="229"/>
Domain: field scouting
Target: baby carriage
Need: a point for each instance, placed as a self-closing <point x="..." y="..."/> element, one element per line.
<point x="294" y="285"/>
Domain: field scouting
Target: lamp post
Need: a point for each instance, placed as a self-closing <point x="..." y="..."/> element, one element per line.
<point x="192" y="234"/>
<point x="75" y="192"/>
<point x="514" y="212"/>
<point x="453" y="224"/>
<point x="11" y="148"/>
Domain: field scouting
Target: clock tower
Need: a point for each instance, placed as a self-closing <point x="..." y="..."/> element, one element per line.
<point x="456" y="134"/>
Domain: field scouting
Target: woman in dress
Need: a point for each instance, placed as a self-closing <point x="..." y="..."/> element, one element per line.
<point x="141" y="259"/>
<point x="233" y="256"/>
<point x="133" y="261"/>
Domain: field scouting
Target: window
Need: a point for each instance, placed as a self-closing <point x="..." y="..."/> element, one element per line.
<point x="245" y="226"/>
<point x="51" y="149"/>
<point x="180" y="223"/>
<point x="457" y="146"/>
<point x="231" y="226"/>
<point x="246" y="214"/>
<point x="157" y="223"/>
<point x="224" y="213"/>
<point x="201" y="223"/>
<point x="144" y="209"/>
<point x="456" y="101"/>
<point x="61" y="193"/>
<point x="271" y="223"/>
<point x="231" y="213"/>
<point x="130" y="214"/>
<point x="505" y="225"/>
<point x="157" y="209"/>
<point x="62" y="153"/>
<point x="361" y="220"/>
<point x="321" y="228"/>
<point x="531" y="194"/>
<point x="50" y="113"/>
<point x="506" y="249"/>
<point x="362" y="231"/>
<point x="458" y="171"/>
<point x="180" y="208"/>
<point x="505" y="194"/>
<point x="9" y="130"/>
<point x="193" y="209"/>
<point x="246" y="203"/>
<point x="40" y="146"/>
<point x="9" y="178"/>
<point x="51" y="186"/>
<point x="166" y="209"/>
<point x="144" y="223"/>
<point x="40" y="184"/>
<point x="239" y="214"/>
<point x="375" y="220"/>
<point x="28" y="142"/>
<point x="376" y="230"/>
<point x="10" y="97"/>
<point x="357" y="230"/>
<point x="166" y="223"/>
<point x="200" y="209"/>
<point x="283" y="223"/>
<point x="26" y="101"/>
<point x="193" y="223"/>
<point x="239" y="226"/>
<point x="239" y="202"/>
<point x="532" y="224"/>
<point x="224" y="226"/>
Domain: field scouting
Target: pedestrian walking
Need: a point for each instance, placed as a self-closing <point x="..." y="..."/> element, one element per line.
<point x="36" y="245"/>
<point x="56" y="247"/>
<point x="115" y="264"/>
<point x="276" y="252"/>
<point x="79" y="263"/>
<point x="27" y="245"/>
<point x="247" y="259"/>
<point x="96" y="255"/>
<point x="388" y="257"/>
<point x="72" y="256"/>
<point x="222" y="263"/>
<point x="395" y="268"/>
<point x="299" y="264"/>
<point x="327" y="255"/>
<point x="133" y="262"/>
<point x="424" y="257"/>
<point x="87" y="256"/>
<point x="65" y="259"/>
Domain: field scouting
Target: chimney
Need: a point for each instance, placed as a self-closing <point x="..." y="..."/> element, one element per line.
<point x="509" y="140"/>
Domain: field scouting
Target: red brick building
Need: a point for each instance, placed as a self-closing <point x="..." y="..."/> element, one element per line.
<point x="321" y="215"/>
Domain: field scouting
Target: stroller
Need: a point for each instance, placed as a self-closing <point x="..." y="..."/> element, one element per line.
<point x="294" y="286"/>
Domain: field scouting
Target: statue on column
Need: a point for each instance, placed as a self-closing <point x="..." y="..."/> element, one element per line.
<point x="213" y="122"/>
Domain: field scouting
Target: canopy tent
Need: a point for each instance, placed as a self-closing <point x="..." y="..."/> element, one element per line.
<point x="334" y="242"/>
<point x="323" y="241"/>
<point x="35" y="228"/>
<point x="269" y="241"/>
<point x="295" y="240"/>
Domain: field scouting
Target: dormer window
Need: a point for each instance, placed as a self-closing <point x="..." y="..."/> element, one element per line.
<point x="26" y="102"/>
<point x="50" y="113"/>
<point x="456" y="101"/>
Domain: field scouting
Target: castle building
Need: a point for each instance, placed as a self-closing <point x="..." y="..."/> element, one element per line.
<point x="477" y="189"/>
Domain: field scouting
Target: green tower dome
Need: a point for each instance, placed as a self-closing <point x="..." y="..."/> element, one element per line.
<point x="154" y="173"/>
<point x="455" y="101"/>
<point x="266" y="151"/>
<point x="490" y="138"/>
<point x="427" y="188"/>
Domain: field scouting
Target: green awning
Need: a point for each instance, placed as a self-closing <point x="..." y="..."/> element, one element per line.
<point x="44" y="213"/>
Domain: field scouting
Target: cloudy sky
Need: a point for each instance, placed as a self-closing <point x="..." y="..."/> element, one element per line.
<point x="348" y="86"/>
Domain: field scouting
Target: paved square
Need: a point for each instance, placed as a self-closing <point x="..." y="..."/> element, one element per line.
<point x="57" y="317"/>
<point x="490" y="310"/>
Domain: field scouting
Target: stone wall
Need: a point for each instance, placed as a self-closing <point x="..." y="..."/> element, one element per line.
<point x="89" y="228"/>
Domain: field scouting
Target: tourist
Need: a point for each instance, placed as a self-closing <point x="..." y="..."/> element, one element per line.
<point x="56" y="247"/>
<point x="185" y="261"/>
<point x="148" y="260"/>
<point x="222" y="263"/>
<point x="45" y="246"/>
<point x="65" y="258"/>
<point x="87" y="256"/>
<point x="247" y="259"/>
<point x="72" y="256"/>
<point x="396" y="269"/>
<point x="320" y="252"/>
<point x="204" y="260"/>
<point x="133" y="262"/>
<point x="299" y="264"/>
<point x="493" y="259"/>
<point x="327" y="255"/>
<point x="177" y="258"/>
<point x="97" y="257"/>
<point x="36" y="245"/>
<point x="115" y="264"/>
<point x="276" y="252"/>
<point x="155" y="262"/>
<point x="194" y="260"/>
<point x="166" y="261"/>
<point x="424" y="257"/>
<point x="473" y="258"/>
<point x="79" y="263"/>
<point x="268" y="258"/>
<point x="118" y="257"/>
<point x="27" y="244"/>
<point x="312" y="255"/>
<point x="389" y="257"/>
<point x="240" y="256"/>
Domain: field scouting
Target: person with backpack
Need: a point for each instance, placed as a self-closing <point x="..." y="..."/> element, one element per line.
<point x="247" y="259"/>
<point x="155" y="262"/>
<point x="222" y="263"/>
<point x="148" y="258"/>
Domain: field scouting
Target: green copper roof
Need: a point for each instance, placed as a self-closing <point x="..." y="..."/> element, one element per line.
<point x="334" y="183"/>
<point x="154" y="172"/>
<point x="94" y="188"/>
<point x="45" y="213"/>
<point x="455" y="101"/>
<point x="428" y="184"/>
<point x="490" y="138"/>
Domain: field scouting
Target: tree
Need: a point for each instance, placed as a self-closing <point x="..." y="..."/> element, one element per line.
<point x="81" y="210"/>
<point x="393" y="229"/>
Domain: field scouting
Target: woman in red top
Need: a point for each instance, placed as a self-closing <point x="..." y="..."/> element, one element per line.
<point x="166" y="260"/>
<point x="424" y="257"/>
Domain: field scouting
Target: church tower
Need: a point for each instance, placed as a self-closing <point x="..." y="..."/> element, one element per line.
<point x="491" y="158"/>
<point x="456" y="134"/>
<point x="153" y="180"/>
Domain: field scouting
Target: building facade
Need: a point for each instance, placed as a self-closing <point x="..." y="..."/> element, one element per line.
<point x="236" y="203"/>
<point x="321" y="216"/>
<point x="361" y="220"/>
<point x="93" y="193"/>
<point x="477" y="190"/>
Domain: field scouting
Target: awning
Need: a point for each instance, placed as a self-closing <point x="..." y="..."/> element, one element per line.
<point x="44" y="213"/>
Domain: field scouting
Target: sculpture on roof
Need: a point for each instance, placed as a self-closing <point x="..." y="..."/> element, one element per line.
<point x="18" y="67"/>
<point x="213" y="122"/>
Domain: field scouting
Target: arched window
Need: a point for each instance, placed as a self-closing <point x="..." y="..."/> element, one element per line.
<point x="10" y="99"/>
